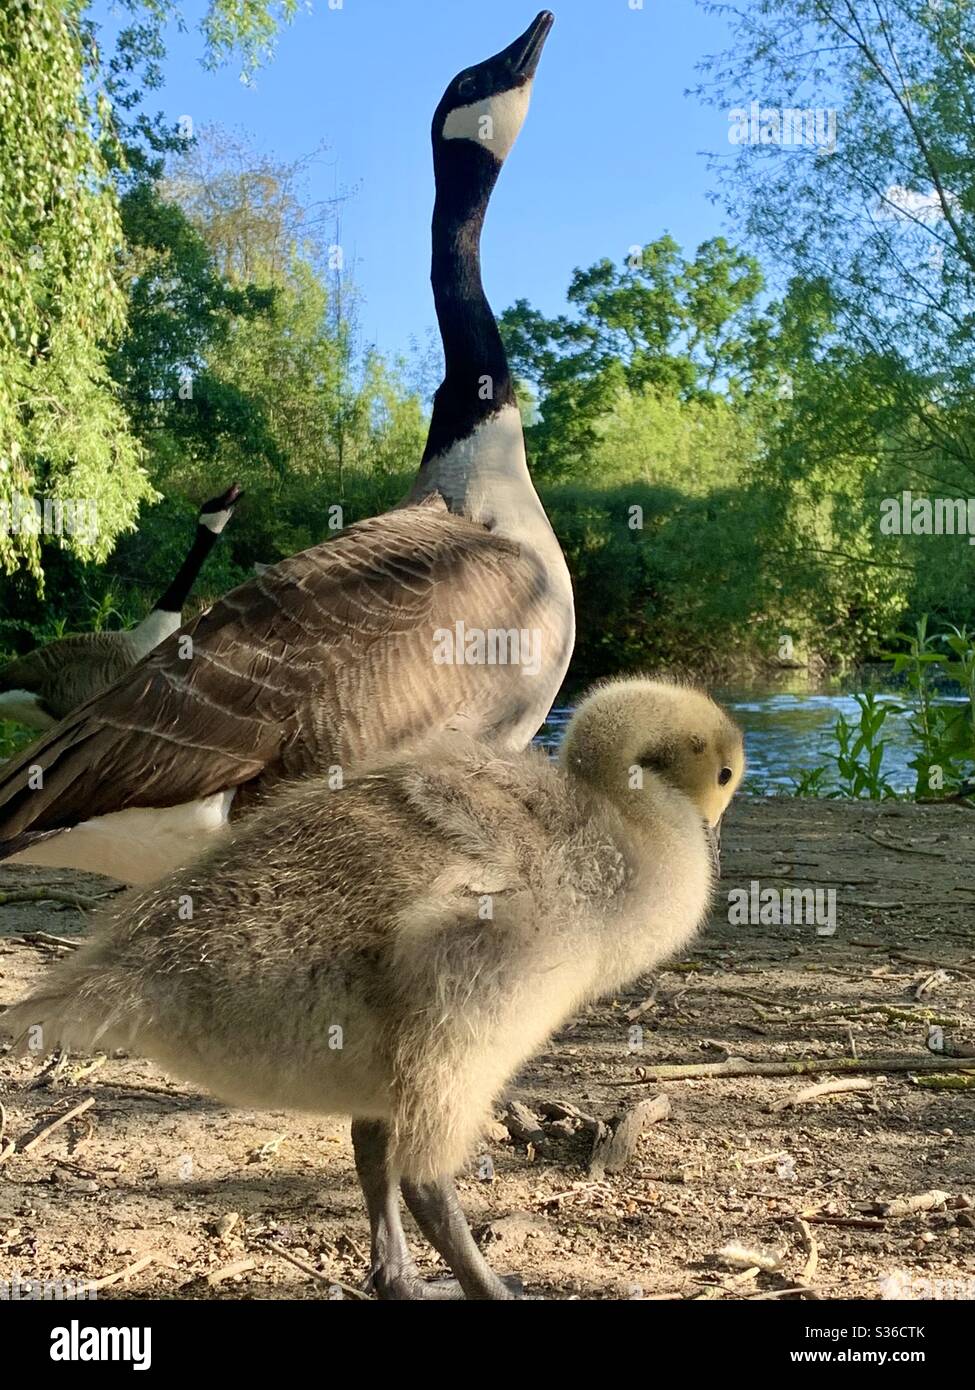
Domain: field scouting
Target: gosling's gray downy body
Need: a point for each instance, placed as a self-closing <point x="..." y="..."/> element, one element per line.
<point x="360" y="909"/>
<point x="396" y="949"/>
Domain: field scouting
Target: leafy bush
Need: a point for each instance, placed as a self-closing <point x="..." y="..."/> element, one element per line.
<point x="943" y="732"/>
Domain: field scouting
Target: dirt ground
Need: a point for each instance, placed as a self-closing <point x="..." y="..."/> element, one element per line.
<point x="209" y="1202"/>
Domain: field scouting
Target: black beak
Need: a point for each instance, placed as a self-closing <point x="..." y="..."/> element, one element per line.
<point x="523" y="55"/>
<point x="227" y="499"/>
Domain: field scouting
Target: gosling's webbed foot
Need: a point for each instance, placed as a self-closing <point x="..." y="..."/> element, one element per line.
<point x="438" y="1214"/>
<point x="407" y="1284"/>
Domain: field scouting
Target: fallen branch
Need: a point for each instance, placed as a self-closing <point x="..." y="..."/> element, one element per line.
<point x="821" y="1218"/>
<point x="937" y="977"/>
<point x="823" y="1088"/>
<point x="963" y="1082"/>
<point x="874" y="904"/>
<point x="50" y="1072"/>
<point x="811" y="1250"/>
<point x="905" y="849"/>
<point x="565" y="1110"/>
<point x="961" y="796"/>
<point x="314" y="1273"/>
<point x="51" y="895"/>
<point x="806" y="1066"/>
<point x="579" y="1189"/>
<point x="613" y="1149"/>
<point x="87" y="1068"/>
<point x="890" y="1012"/>
<point x="911" y="959"/>
<point x="799" y="1290"/>
<point x="522" y="1124"/>
<point x="932" y="1200"/>
<point x="135" y="1268"/>
<point x="230" y="1271"/>
<point x="45" y="1134"/>
<point x="43" y="938"/>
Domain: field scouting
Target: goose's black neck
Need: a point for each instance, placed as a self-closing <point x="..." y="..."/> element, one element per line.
<point x="477" y="382"/>
<point x="176" y="595"/>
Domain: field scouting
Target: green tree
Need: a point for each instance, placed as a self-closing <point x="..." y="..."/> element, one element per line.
<point x="659" y="325"/>
<point x="180" y="309"/>
<point x="885" y="214"/>
<point x="63" y="431"/>
<point x="342" y="433"/>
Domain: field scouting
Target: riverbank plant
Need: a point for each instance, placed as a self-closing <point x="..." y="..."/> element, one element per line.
<point x="941" y="725"/>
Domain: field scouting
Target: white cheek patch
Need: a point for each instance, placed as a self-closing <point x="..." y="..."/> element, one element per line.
<point x="216" y="521"/>
<point x="494" y="122"/>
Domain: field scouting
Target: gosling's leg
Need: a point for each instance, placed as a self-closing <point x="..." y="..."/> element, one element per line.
<point x="440" y="1217"/>
<point x="394" y="1273"/>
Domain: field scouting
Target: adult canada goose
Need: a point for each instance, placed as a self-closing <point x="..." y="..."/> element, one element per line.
<point x="453" y="611"/>
<point x="42" y="687"/>
<point x="395" y="950"/>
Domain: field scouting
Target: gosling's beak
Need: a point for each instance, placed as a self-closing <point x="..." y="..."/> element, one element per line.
<point x="713" y="833"/>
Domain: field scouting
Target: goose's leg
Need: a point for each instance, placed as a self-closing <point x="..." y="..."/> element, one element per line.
<point x="441" y="1218"/>
<point x="393" y="1271"/>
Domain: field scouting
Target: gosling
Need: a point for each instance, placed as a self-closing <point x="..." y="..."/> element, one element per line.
<point x="395" y="950"/>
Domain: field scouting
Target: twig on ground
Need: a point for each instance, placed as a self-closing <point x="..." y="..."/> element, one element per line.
<point x="123" y="1274"/>
<point x="87" y="1068"/>
<point x="640" y="1009"/>
<point x="912" y="959"/>
<point x="45" y="1134"/>
<point x="52" y="895"/>
<point x="890" y="1012"/>
<point x="314" y="1273"/>
<point x="44" y="938"/>
<point x="824" y="1218"/>
<point x="824" y="1088"/>
<point x="613" y="1149"/>
<point x="810" y="1248"/>
<point x="937" y="977"/>
<point x="229" y="1271"/>
<point x="905" y="849"/>
<point x="799" y="1290"/>
<point x="959" y="1082"/>
<point x="50" y="1072"/>
<point x="806" y="1066"/>
<point x="910" y="1206"/>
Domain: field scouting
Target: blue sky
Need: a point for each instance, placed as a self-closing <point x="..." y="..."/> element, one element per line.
<point x="610" y="155"/>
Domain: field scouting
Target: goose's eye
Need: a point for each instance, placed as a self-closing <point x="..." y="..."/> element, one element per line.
<point x="725" y="776"/>
<point x="465" y="86"/>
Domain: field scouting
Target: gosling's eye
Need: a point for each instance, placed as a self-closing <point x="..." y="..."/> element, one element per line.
<point x="654" y="762"/>
<point x="725" y="776"/>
